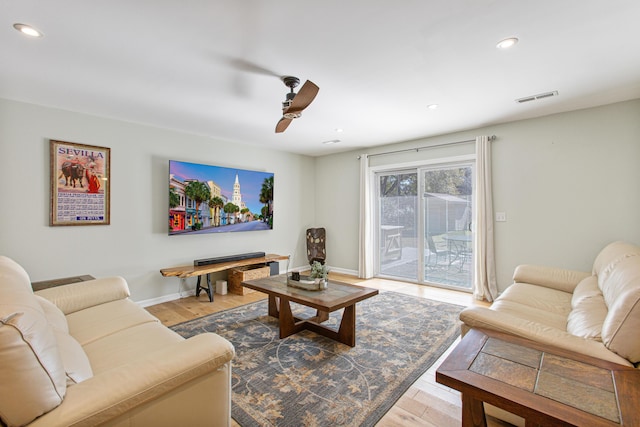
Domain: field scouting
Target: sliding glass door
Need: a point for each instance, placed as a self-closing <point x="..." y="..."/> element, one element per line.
<point x="397" y="197"/>
<point x="448" y="237"/>
<point x="423" y="222"/>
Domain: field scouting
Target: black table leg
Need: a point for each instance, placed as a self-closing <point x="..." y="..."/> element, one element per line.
<point x="208" y="289"/>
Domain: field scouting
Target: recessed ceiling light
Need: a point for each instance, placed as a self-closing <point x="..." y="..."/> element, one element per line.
<point x="339" y="130"/>
<point x="333" y="141"/>
<point x="27" y="30"/>
<point x="507" y="43"/>
<point x="432" y="106"/>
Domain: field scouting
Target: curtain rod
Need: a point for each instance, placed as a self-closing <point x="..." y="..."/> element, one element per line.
<point x="491" y="138"/>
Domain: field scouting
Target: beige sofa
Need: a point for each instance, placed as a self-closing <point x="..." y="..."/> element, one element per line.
<point x="84" y="354"/>
<point x="595" y="313"/>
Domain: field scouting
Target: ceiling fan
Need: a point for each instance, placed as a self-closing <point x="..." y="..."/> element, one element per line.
<point x="295" y="102"/>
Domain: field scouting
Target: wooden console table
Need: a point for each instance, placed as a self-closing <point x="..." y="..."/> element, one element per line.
<point x="545" y="385"/>
<point x="205" y="270"/>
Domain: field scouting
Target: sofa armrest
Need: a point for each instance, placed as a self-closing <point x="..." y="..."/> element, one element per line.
<point x="78" y="296"/>
<point x="486" y="318"/>
<point x="120" y="390"/>
<point x="549" y="277"/>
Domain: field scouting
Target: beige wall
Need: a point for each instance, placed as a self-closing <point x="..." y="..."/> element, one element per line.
<point x="569" y="184"/>
<point x="136" y="244"/>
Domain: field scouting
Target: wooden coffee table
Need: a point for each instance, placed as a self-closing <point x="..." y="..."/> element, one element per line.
<point x="337" y="295"/>
<point x="545" y="385"/>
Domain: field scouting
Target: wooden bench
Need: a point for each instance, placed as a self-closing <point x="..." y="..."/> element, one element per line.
<point x="186" y="271"/>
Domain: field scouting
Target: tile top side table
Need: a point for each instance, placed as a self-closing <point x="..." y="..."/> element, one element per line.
<point x="543" y="384"/>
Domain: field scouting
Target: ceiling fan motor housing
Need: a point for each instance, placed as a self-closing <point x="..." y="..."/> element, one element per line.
<point x="291" y="81"/>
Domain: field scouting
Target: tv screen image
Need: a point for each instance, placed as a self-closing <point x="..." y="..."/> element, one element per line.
<point x="216" y="199"/>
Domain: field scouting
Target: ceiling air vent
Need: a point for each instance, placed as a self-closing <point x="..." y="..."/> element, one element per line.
<point x="536" y="97"/>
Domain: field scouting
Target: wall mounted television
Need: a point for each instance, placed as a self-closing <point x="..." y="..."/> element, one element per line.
<point x="214" y="199"/>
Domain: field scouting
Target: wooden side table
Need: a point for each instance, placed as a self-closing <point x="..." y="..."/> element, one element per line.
<point x="545" y="385"/>
<point x="44" y="284"/>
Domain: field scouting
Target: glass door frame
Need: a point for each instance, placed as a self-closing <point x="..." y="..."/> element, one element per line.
<point x="418" y="167"/>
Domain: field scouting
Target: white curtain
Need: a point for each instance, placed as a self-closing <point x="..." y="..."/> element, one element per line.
<point x="484" y="286"/>
<point x="365" y="252"/>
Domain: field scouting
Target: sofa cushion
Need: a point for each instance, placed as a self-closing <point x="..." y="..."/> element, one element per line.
<point x="607" y="260"/>
<point x="621" y="327"/>
<point x="587" y="288"/>
<point x="589" y="310"/>
<point x="32" y="378"/>
<point x="119" y="349"/>
<point x="75" y="361"/>
<point x="102" y="320"/>
<point x="13" y="276"/>
<point x="76" y="364"/>
<point x="586" y="320"/>
<point x="616" y="280"/>
<point x="531" y="314"/>
<point x="546" y="300"/>
<point x="53" y="314"/>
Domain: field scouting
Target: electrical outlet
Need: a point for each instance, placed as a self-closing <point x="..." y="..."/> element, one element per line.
<point x="501" y="216"/>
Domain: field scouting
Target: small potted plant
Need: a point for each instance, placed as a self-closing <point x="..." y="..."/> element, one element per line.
<point x="320" y="273"/>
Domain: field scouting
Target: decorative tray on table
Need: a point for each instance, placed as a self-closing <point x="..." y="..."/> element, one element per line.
<point x="307" y="283"/>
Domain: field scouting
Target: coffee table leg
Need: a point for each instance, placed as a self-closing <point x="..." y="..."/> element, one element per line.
<point x="321" y="316"/>
<point x="286" y="320"/>
<point x="273" y="307"/>
<point x="288" y="326"/>
<point x="347" y="331"/>
<point x="472" y="412"/>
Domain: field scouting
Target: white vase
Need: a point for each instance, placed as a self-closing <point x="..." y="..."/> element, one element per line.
<point x="322" y="283"/>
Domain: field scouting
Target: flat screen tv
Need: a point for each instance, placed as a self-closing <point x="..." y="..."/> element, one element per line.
<point x="215" y="199"/>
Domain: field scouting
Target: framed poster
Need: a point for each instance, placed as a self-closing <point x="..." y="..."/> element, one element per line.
<point x="80" y="177"/>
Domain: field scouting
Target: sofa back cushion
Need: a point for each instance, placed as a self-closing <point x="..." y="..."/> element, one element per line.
<point x="75" y="361"/>
<point x="588" y="310"/>
<point x="606" y="262"/>
<point x="77" y="367"/>
<point x="621" y="328"/>
<point x="53" y="314"/>
<point x="33" y="380"/>
<point x="618" y="269"/>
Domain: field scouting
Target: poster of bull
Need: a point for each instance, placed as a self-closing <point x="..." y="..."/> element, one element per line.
<point x="79" y="184"/>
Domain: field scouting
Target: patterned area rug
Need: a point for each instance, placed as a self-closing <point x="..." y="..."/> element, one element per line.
<point x="309" y="380"/>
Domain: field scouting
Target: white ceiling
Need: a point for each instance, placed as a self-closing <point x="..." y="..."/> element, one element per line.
<point x="211" y="67"/>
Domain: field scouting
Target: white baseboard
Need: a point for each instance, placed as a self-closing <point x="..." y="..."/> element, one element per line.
<point x="166" y="298"/>
<point x="344" y="271"/>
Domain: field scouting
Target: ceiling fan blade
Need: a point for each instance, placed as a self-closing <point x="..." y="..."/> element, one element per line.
<point x="282" y="124"/>
<point x="304" y="97"/>
<point x="250" y="67"/>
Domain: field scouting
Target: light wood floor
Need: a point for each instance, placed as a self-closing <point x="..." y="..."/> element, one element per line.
<point x="425" y="404"/>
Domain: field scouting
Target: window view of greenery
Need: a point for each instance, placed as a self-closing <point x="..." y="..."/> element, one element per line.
<point x="446" y="204"/>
